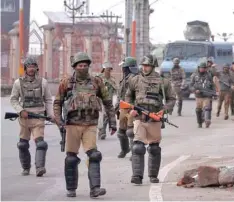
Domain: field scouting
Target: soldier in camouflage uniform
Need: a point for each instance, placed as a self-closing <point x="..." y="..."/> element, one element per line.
<point x="232" y="96"/>
<point x="147" y="130"/>
<point x="213" y="72"/>
<point x="79" y="99"/>
<point x="178" y="81"/>
<point x="109" y="82"/>
<point x="129" y="69"/>
<point x="201" y="84"/>
<point x="31" y="93"/>
<point x="225" y="82"/>
<point x="211" y="67"/>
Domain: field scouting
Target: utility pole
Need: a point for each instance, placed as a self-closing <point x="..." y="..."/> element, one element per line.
<point x="140" y="28"/>
<point x="109" y="24"/>
<point x="128" y="23"/>
<point x="225" y="36"/>
<point x="133" y="49"/>
<point x="74" y="7"/>
<point x="21" y="37"/>
<point x="112" y="30"/>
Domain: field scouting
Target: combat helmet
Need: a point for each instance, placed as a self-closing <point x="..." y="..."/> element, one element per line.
<point x="30" y="60"/>
<point x="176" y="61"/>
<point x="149" y="60"/>
<point x="80" y="57"/>
<point x="106" y="65"/>
<point x="227" y="65"/>
<point x="202" y="65"/>
<point x="210" y="59"/>
<point x="129" y="62"/>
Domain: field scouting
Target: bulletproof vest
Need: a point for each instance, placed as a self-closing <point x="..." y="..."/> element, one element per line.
<point x="176" y="75"/>
<point x="226" y="78"/>
<point x="82" y="106"/>
<point x="203" y="81"/>
<point x="31" y="92"/>
<point x="152" y="84"/>
<point x="124" y="86"/>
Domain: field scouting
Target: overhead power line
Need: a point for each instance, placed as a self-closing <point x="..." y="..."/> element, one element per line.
<point x="154" y="2"/>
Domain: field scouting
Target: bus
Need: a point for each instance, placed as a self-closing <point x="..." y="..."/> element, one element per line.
<point x="191" y="52"/>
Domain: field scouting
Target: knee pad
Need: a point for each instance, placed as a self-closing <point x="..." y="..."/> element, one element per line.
<point x="71" y="160"/>
<point x="41" y="144"/>
<point x="94" y="155"/>
<point x="23" y="144"/>
<point x="130" y="132"/>
<point x="121" y="133"/>
<point x="154" y="149"/>
<point x="138" y="148"/>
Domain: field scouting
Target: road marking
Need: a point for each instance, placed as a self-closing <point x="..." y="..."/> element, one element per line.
<point x="155" y="192"/>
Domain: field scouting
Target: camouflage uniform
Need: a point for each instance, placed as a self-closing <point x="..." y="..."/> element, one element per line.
<point x="213" y="72"/>
<point x="79" y="98"/>
<point x="35" y="96"/>
<point x="225" y="82"/>
<point x="202" y="81"/>
<point x="112" y="88"/>
<point x="125" y="131"/>
<point x="146" y="130"/>
<point x="178" y="81"/>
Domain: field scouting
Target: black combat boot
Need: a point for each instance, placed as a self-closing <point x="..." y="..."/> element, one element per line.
<point x="199" y="117"/>
<point x="138" y="162"/>
<point x="207" y="117"/>
<point x="180" y="104"/>
<point x="24" y="156"/>
<point x="124" y="143"/>
<point x="154" y="162"/>
<point x="71" y="173"/>
<point x="94" y="173"/>
<point x="40" y="156"/>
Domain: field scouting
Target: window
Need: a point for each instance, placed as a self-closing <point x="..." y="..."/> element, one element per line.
<point x="175" y="50"/>
<point x="219" y="52"/>
<point x="8" y="6"/>
<point x="211" y="51"/>
<point x="196" y="50"/>
<point x="224" y="52"/>
<point x="186" y="50"/>
<point x="229" y="52"/>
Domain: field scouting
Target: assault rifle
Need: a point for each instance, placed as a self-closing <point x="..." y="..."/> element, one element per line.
<point x="13" y="116"/>
<point x="63" y="130"/>
<point x="63" y="135"/>
<point x="207" y="92"/>
<point x="226" y="84"/>
<point x="159" y="116"/>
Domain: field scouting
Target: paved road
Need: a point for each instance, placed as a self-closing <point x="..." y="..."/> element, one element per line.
<point x="183" y="148"/>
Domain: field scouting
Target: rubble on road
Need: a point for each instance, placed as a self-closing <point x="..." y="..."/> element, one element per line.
<point x="205" y="176"/>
